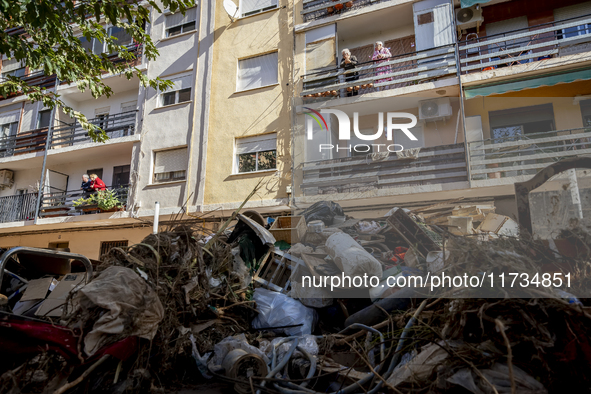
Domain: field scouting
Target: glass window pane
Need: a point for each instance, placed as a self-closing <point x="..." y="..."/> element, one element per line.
<point x="184" y="95"/>
<point x="168" y="98"/>
<point x="97" y="46"/>
<point x="189" y="26"/>
<point x="44" y="117"/>
<point x="267" y="160"/>
<point x="84" y="43"/>
<point x="247" y="162"/>
<point x="122" y="36"/>
<point x="174" y="31"/>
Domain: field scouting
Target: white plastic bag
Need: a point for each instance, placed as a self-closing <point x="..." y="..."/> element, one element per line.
<point x="277" y="309"/>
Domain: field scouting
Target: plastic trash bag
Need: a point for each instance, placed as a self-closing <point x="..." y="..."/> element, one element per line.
<point x="323" y="210"/>
<point x="221" y="349"/>
<point x="277" y="310"/>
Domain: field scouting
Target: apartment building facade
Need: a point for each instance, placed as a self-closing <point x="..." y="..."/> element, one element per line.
<point x="500" y="90"/>
<point x="154" y="152"/>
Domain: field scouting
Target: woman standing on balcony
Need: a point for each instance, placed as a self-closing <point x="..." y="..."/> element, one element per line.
<point x="96" y="183"/>
<point x="381" y="54"/>
<point x="349" y="62"/>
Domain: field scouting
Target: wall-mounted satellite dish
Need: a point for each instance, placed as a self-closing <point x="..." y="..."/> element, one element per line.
<point x="231" y="9"/>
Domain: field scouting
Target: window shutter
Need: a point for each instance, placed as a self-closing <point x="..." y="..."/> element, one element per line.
<point x="504" y="27"/>
<point x="10" y="117"/>
<point x="180" y="19"/>
<point x="256" y="5"/>
<point x="129" y="106"/>
<point x="10" y="65"/>
<point x="257" y="71"/>
<point x="572" y="11"/>
<point x="171" y="160"/>
<point x="260" y="143"/>
<point x="182" y="82"/>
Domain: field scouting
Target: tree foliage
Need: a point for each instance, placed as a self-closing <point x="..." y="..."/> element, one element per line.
<point x="44" y="35"/>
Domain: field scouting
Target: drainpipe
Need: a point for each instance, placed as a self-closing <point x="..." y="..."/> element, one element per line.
<point x="573" y="188"/>
<point x="462" y="109"/>
<point x="47" y="144"/>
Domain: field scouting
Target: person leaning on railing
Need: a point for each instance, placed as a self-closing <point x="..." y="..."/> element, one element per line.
<point x="96" y="183"/>
<point x="348" y="63"/>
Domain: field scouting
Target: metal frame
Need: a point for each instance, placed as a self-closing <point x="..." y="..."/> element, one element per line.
<point x="45" y="253"/>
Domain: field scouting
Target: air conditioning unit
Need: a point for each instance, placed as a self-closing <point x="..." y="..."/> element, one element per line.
<point x="435" y="109"/>
<point x="469" y="17"/>
<point x="6" y="178"/>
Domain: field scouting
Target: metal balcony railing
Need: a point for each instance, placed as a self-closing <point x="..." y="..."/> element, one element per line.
<point x="525" y="154"/>
<point x="18" y="207"/>
<point x="35" y="78"/>
<point x="432" y="165"/>
<point x="397" y="71"/>
<point x="116" y="126"/>
<point x="62" y="203"/>
<point x="534" y="43"/>
<point x="318" y="9"/>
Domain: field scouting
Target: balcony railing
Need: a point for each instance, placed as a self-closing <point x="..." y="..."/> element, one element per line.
<point x="433" y="165"/>
<point x="318" y="9"/>
<point x="525" y="154"/>
<point x="35" y="78"/>
<point x="26" y="142"/>
<point x="535" y="43"/>
<point x="397" y="71"/>
<point x="18" y="207"/>
<point x="116" y="126"/>
<point x="62" y="203"/>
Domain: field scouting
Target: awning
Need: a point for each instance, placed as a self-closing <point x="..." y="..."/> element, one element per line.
<point x="470" y="3"/>
<point x="530" y="83"/>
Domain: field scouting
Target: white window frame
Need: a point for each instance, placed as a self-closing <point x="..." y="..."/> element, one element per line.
<point x="168" y="180"/>
<point x="255" y="12"/>
<point x="167" y="28"/>
<point x="260" y="137"/>
<point x="238" y="84"/>
<point x="176" y="92"/>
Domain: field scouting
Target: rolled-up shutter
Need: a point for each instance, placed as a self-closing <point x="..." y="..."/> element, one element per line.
<point x="572" y="11"/>
<point x="259" y="143"/>
<point x="248" y="7"/>
<point x="257" y="71"/>
<point x="9" y="117"/>
<point x="171" y="160"/>
<point x="182" y="82"/>
<point x="180" y="19"/>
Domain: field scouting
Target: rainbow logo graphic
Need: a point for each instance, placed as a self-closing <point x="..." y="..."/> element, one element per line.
<point x="315" y="115"/>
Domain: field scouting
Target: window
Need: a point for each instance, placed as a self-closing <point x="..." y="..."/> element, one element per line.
<point x="256" y="72"/>
<point x="178" y="23"/>
<point x="43" y="118"/>
<point x="256" y="153"/>
<point x="586" y="112"/>
<point x="13" y="67"/>
<point x="59" y="245"/>
<point x="570" y="12"/>
<point x="251" y="7"/>
<point x="106" y="246"/>
<point x="120" y="176"/>
<point x="170" y="165"/>
<point x="507" y="28"/>
<point x="97" y="47"/>
<point x="180" y="92"/>
<point x="512" y="124"/>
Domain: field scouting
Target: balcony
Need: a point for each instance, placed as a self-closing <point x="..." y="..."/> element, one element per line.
<point x="318" y="9"/>
<point x="396" y="72"/>
<point x="431" y="166"/>
<point x="18" y="207"/>
<point x="58" y="204"/>
<point x="499" y="161"/>
<point x="35" y="78"/>
<point x="115" y="126"/>
<point x="538" y="43"/>
<point x="65" y="135"/>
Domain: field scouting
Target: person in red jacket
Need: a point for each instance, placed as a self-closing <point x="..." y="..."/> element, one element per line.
<point x="96" y="183"/>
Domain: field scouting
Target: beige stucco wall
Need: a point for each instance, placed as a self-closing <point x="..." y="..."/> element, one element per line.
<point x="85" y="242"/>
<point x="240" y="114"/>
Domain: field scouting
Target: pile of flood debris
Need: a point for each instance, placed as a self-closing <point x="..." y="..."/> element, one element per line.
<point x="243" y="305"/>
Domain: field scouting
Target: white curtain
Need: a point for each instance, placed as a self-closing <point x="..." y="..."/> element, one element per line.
<point x="180" y="19"/>
<point x="259" y="143"/>
<point x="171" y="160"/>
<point x="257" y="71"/>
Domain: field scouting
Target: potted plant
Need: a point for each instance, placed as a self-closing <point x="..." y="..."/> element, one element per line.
<point x="103" y="200"/>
